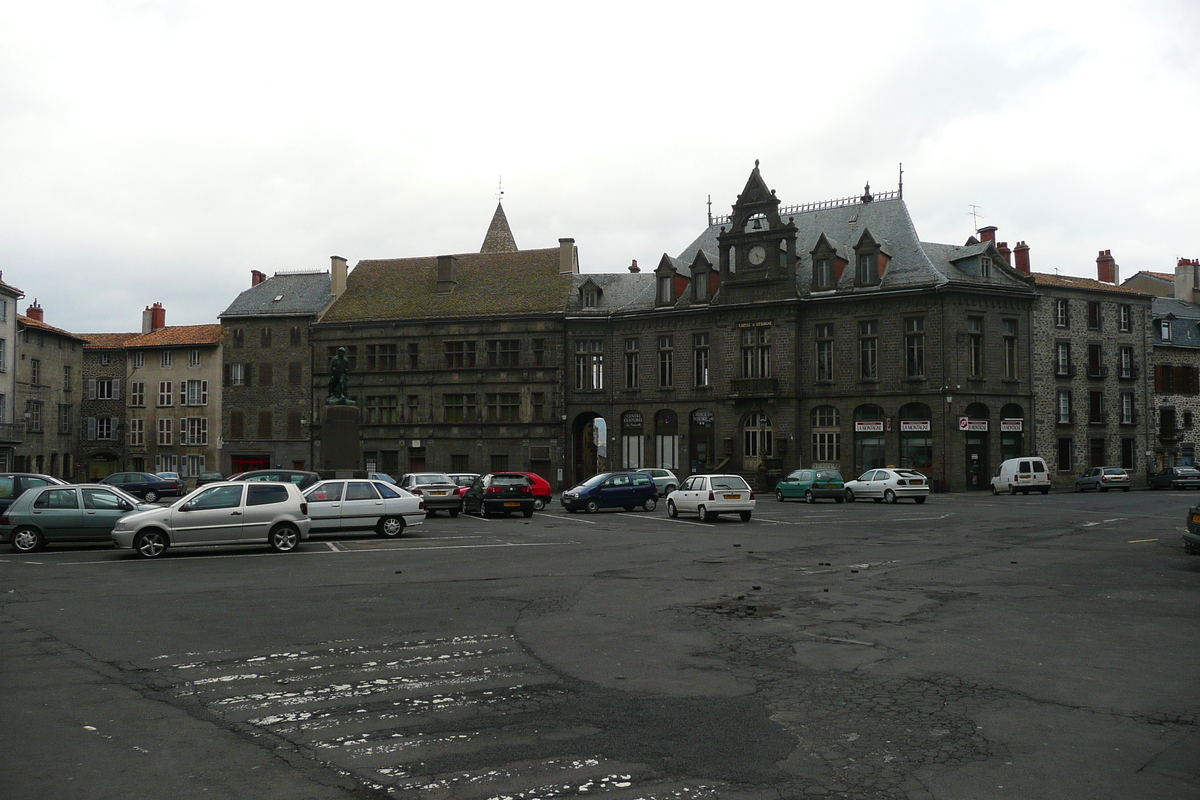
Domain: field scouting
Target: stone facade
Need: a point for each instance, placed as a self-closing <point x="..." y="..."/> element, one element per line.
<point x="12" y="425"/>
<point x="49" y="390"/>
<point x="1174" y="381"/>
<point x="102" y="428"/>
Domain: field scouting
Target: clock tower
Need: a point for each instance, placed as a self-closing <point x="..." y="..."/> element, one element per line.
<point x="757" y="248"/>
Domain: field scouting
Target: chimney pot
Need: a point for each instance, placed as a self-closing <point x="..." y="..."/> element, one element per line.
<point x="1021" y="257"/>
<point x="257" y="277"/>
<point x="1005" y="252"/>
<point x="35" y="311"/>
<point x="634" y="267"/>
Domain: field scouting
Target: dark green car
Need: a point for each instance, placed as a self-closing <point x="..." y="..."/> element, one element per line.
<point x="811" y="485"/>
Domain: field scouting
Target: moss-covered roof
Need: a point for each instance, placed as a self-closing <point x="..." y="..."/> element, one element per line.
<point x="521" y="282"/>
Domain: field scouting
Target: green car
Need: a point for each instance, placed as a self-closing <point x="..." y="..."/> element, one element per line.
<point x="812" y="485"/>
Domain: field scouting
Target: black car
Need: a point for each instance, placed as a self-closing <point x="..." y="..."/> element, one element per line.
<point x="208" y="477"/>
<point x="15" y="484"/>
<point x="302" y="478"/>
<point x="144" y="485"/>
<point x="1176" y="478"/>
<point x="499" y="493"/>
<point x="626" y="490"/>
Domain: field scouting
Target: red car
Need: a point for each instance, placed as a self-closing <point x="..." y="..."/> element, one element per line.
<point x="541" y="490"/>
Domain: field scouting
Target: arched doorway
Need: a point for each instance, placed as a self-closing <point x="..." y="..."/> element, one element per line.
<point x="1012" y="431"/>
<point x="589" y="445"/>
<point x="702" y="444"/>
<point x="666" y="439"/>
<point x="758" y="441"/>
<point x="975" y="427"/>
<point x="869" y="438"/>
<point x="916" y="437"/>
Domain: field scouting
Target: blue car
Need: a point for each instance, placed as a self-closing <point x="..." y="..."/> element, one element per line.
<point x="626" y="490"/>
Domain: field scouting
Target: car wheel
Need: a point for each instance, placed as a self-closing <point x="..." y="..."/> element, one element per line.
<point x="1012" y="490"/>
<point x="670" y="488"/>
<point x="1104" y="488"/>
<point x="838" y="499"/>
<point x="284" y="538"/>
<point x="390" y="527"/>
<point x="672" y="511"/>
<point x="809" y="497"/>
<point x="150" y="544"/>
<point x="1025" y="492"/>
<point x="429" y="512"/>
<point x="483" y="512"/>
<point x="706" y="515"/>
<point x="538" y="504"/>
<point x="592" y="506"/>
<point x="453" y="513"/>
<point x="1191" y="548"/>
<point x="920" y="500"/>
<point x="28" y="540"/>
<point x="995" y="491"/>
<point x="849" y="495"/>
<point x="650" y="503"/>
<point x="572" y="510"/>
<point x="528" y="513"/>
<point x="779" y="495"/>
<point x="151" y="496"/>
<point x="1078" y="487"/>
<point x="1124" y="488"/>
<point x="889" y="496"/>
<point x="1046" y="491"/>
<point x="745" y="516"/>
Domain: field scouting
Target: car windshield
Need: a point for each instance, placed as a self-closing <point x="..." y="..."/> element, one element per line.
<point x="595" y="479"/>
<point x="729" y="482"/>
<point x="828" y="475"/>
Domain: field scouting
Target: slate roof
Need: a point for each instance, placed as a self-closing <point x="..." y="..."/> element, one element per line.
<point x="30" y="322"/>
<point x="177" y="336"/>
<point x="107" y="341"/>
<point x="499" y="238"/>
<point x="520" y="282"/>
<point x="299" y="293"/>
<point x="619" y="291"/>
<point x="1184" y="318"/>
<point x="1090" y="284"/>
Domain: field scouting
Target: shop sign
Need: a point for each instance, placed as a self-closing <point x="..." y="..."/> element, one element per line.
<point x="702" y="416"/>
<point x="868" y="426"/>
<point x="914" y="425"/>
<point x="1012" y="425"/>
<point x="632" y="419"/>
<point x="967" y="424"/>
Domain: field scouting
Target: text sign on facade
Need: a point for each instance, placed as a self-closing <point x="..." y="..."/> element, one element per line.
<point x="914" y="425"/>
<point x="1012" y="425"/>
<point x="967" y="424"/>
<point x="868" y="426"/>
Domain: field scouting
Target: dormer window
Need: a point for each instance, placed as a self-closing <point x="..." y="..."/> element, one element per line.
<point x="867" y="273"/>
<point x="589" y="296"/>
<point x="665" y="291"/>
<point x="1164" y="327"/>
<point x="700" y="286"/>
<point x="823" y="274"/>
<point x="985" y="267"/>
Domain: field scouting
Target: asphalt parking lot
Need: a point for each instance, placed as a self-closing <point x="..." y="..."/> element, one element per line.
<point x="970" y="647"/>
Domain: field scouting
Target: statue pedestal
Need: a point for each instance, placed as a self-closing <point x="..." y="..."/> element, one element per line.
<point x="341" y="448"/>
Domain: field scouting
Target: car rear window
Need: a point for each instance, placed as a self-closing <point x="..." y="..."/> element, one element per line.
<point x="510" y="480"/>
<point x="828" y="475"/>
<point x="642" y="480"/>
<point x="1114" y="471"/>
<point x="266" y="495"/>
<point x="1188" y="472"/>
<point x="731" y="482"/>
<point x="386" y="491"/>
<point x="422" y="479"/>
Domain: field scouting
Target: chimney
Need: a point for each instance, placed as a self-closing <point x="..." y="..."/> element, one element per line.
<point x="445" y="274"/>
<point x="35" y="311"/>
<point x="1005" y="252"/>
<point x="337" y="275"/>
<point x="568" y="257"/>
<point x="1185" y="279"/>
<point x="1021" y="255"/>
<point x="634" y="267"/>
<point x="987" y="234"/>
<point x="1106" y="267"/>
<point x="257" y="277"/>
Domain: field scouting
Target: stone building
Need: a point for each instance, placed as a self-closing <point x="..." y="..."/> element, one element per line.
<point x="1174" y="373"/>
<point x="102" y="405"/>
<point x="820" y="334"/>
<point x="49" y="384"/>
<point x="1090" y="373"/>
<point x="268" y="376"/>
<point x="457" y="360"/>
<point x="12" y="424"/>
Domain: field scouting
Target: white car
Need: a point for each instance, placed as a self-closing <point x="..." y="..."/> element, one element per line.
<point x="888" y="486"/>
<point x="348" y="505"/>
<point x="710" y="495"/>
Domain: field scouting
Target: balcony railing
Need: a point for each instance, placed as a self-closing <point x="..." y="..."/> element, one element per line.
<point x="12" y="432"/>
<point x="755" y="387"/>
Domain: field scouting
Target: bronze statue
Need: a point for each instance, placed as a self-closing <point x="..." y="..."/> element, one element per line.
<point x="339" y="379"/>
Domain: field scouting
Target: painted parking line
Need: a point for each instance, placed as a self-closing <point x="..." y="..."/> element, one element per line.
<point x="1138" y="541"/>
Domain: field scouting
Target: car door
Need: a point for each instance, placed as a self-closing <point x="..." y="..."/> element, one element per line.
<point x="262" y="508"/>
<point x="101" y="510"/>
<point x="213" y="516"/>
<point x="325" y="506"/>
<point x="691" y="497"/>
<point x="58" y="514"/>
<point x="362" y="506"/>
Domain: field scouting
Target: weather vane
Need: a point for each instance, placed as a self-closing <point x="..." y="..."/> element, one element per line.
<point x="500" y="189"/>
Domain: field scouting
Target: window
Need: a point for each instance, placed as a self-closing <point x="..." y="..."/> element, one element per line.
<point x="1095" y="408"/>
<point x="414" y="355"/>
<point x="237" y="374"/>
<point x="381" y="357"/>
<point x="64" y="418"/>
<point x="590" y="296"/>
<point x="137" y="393"/>
<point x="1128" y="453"/>
<point x="914" y="347"/>
<point x="295" y="373"/>
<point x="666" y="361"/>
<point x="975" y="347"/>
<point x="1065" y="415"/>
<point x="105" y="359"/>
<point x="165" y="394"/>
<point x="868" y="350"/>
<point x="589" y="364"/>
<point x="266" y="424"/>
<point x="266" y="374"/>
<point x="1128" y="416"/>
<point x="166" y="431"/>
<point x="538" y="402"/>
<point x="822" y="274"/>
<point x="1094" y="319"/>
<point x="1062" y="359"/>
<point x="826" y="436"/>
<point x="459" y="407"/>
<point x="539" y="352"/>
<point x="382" y="410"/>
<point x="756" y="352"/>
<point x="105" y="389"/>
<point x="1066" y="452"/>
<point x="139" y="360"/>
<point x="239" y="337"/>
<point x="194" y="358"/>
<point x="503" y="407"/>
<point x="867" y="273"/>
<point x="700" y="358"/>
<point x="3" y="355"/>
<point x="460" y="355"/>
<point x="266" y="337"/>
<point x="665" y="293"/>
<point x="1010" y="349"/>
<point x="104" y="428"/>
<point x="460" y="462"/>
<point x="413" y="403"/>
<point x="137" y="432"/>
<point x="1125" y="365"/>
<point x="1097" y="452"/>
<point x="237" y="425"/>
<point x="166" y="358"/>
<point x="700" y="285"/>
<point x="757" y="437"/>
<point x="33" y="416"/>
<point x="193" y="393"/>
<point x="1062" y="316"/>
<point x="294" y="423"/>
<point x="1124" y="317"/>
<point x="499" y="462"/>
<point x="1095" y="361"/>
<point x="67" y="378"/>
<point x="632" y="353"/>
<point x="1176" y="379"/>
<point x="504" y="353"/>
<point x="1164" y="329"/>
<point x="824" y="333"/>
<point x="35" y="371"/>
<point x="193" y="431"/>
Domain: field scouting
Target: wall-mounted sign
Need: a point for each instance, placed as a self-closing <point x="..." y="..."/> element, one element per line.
<point x="1012" y="425"/>
<point x="914" y="425"/>
<point x="760" y="324"/>
<point x="702" y="416"/>
<point x="868" y="426"/>
<point x="967" y="424"/>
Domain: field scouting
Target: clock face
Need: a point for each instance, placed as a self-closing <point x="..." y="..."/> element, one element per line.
<point x="757" y="254"/>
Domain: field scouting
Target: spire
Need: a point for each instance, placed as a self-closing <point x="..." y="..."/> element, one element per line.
<point x="499" y="238"/>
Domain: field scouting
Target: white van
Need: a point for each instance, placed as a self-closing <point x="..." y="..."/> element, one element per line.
<point x="1021" y="475"/>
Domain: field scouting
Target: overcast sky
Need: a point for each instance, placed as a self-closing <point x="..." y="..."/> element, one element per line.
<point x="158" y="150"/>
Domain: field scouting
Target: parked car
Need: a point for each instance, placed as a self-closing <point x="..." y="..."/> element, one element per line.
<point x="1191" y="538"/>
<point x="464" y="480"/>
<point x="64" y="513"/>
<point x="626" y="490"/>
<point x="226" y="513"/>
<point x="1021" y="475"/>
<point x="888" y="486"/>
<point x="812" y="485"/>
<point x="14" y="484"/>
<point x="712" y="495"/>
<point x="301" y="478"/>
<point x="1176" y="478"/>
<point x="347" y="505"/>
<point x="499" y="493"/>
<point x="208" y="477"/>
<point x="542" y="494"/>
<point x="664" y="479"/>
<point x="171" y="476"/>
<point x="438" y="491"/>
<point x="144" y="485"/>
<point x="381" y="476"/>
<point x="1103" y="478"/>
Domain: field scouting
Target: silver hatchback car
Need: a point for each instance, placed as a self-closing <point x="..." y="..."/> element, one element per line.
<point x="223" y="513"/>
<point x="1103" y="478"/>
